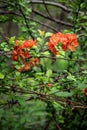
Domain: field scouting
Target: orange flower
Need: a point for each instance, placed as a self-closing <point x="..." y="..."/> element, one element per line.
<point x="16" y="42"/>
<point x="26" y="66"/>
<point x="34" y="61"/>
<point x="14" y="57"/>
<point x="55" y="38"/>
<point x="72" y="41"/>
<point x="21" y="51"/>
<point x="85" y="91"/>
<point x="18" y="49"/>
<point x="68" y="41"/>
<point x="28" y="43"/>
<point x="20" y="69"/>
<point x="24" y="55"/>
<point x="15" y="53"/>
<point x="52" y="48"/>
<point x="49" y="85"/>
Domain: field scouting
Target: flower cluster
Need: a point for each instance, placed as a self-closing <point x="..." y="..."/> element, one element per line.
<point x="58" y="41"/>
<point x="21" y="52"/>
<point x="66" y="41"/>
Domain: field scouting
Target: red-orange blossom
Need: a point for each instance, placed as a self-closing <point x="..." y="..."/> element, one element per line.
<point x="68" y="41"/>
<point x="21" y="51"/>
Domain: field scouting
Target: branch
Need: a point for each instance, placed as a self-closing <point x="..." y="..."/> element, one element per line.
<point x="56" y="4"/>
<point x="57" y="99"/>
<point x="76" y="60"/>
<point x="3" y="53"/>
<point x="27" y="25"/>
<point x="46" y="25"/>
<point x="75" y="22"/>
<point x="38" y="13"/>
<point x="19" y="15"/>
<point x="45" y="5"/>
<point x="52" y="4"/>
<point x="52" y="19"/>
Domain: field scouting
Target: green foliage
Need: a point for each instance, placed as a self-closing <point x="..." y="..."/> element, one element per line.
<point x="49" y="95"/>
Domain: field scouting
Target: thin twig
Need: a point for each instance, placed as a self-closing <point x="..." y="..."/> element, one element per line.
<point x="45" y="5"/>
<point x="27" y="25"/>
<point x="63" y="58"/>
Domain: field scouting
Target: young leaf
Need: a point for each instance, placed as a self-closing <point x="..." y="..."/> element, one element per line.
<point x="11" y="40"/>
<point x="2" y="76"/>
<point x="49" y="73"/>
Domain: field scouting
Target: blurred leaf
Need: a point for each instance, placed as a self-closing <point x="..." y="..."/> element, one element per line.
<point x="49" y="73"/>
<point x="2" y="76"/>
<point x="64" y="94"/>
<point x="46" y="63"/>
<point x="60" y="64"/>
<point x="6" y="49"/>
<point x="11" y="40"/>
<point x="71" y="77"/>
<point x="82" y="85"/>
<point x="48" y="34"/>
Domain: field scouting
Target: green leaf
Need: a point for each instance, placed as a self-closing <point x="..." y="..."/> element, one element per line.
<point x="21" y="84"/>
<point x="11" y="40"/>
<point x="2" y="76"/>
<point x="46" y="63"/>
<point x="39" y="39"/>
<point x="17" y="75"/>
<point x="64" y="94"/>
<point x="60" y="64"/>
<point x="82" y="85"/>
<point x="17" y="66"/>
<point x="71" y="77"/>
<point x="49" y="73"/>
<point x="46" y="53"/>
<point x="48" y="34"/>
<point x="6" y="49"/>
<point x="58" y="105"/>
<point x="3" y="44"/>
